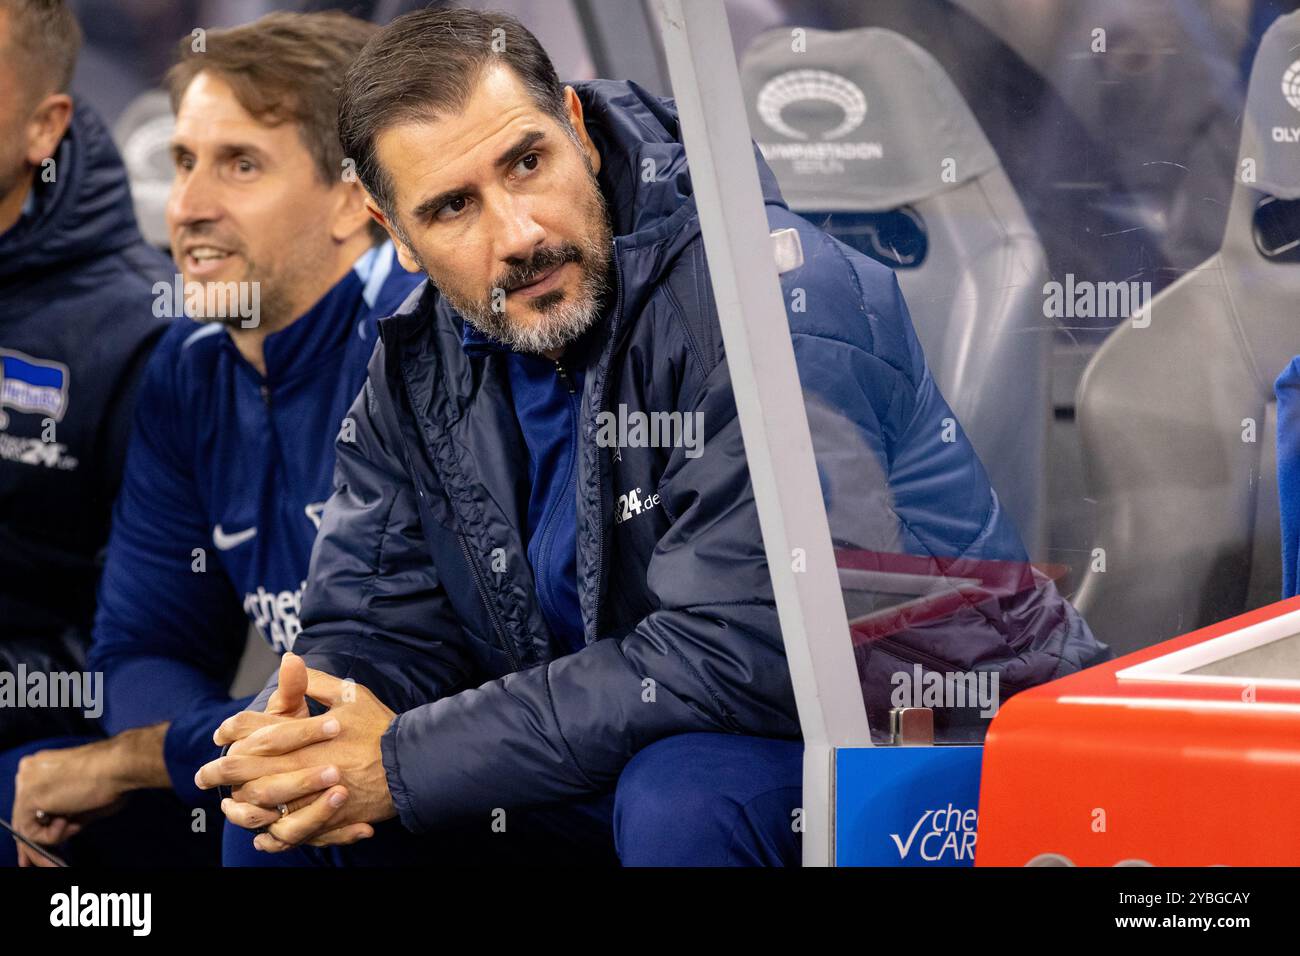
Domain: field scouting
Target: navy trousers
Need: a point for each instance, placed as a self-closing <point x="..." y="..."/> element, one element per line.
<point x="689" y="800"/>
<point x="153" y="829"/>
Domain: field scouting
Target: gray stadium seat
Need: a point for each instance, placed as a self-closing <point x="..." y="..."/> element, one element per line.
<point x="1186" y="503"/>
<point x="865" y="121"/>
<point x="143" y="135"/>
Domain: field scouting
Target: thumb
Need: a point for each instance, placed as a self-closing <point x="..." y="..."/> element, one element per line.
<point x="290" y="696"/>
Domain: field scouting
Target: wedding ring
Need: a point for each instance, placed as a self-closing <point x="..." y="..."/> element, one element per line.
<point x="283" y="808"/>
<point x="42" y="816"/>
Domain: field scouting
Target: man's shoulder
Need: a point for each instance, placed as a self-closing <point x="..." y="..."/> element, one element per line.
<point x="835" y="296"/>
<point x="186" y="355"/>
<point x="111" y="297"/>
<point x="413" y="328"/>
<point x="838" y="295"/>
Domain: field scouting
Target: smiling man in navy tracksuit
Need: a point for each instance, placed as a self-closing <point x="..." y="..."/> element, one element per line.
<point x="232" y="454"/>
<point x="543" y="644"/>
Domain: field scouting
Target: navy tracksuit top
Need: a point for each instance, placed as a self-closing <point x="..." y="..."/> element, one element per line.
<point x="225" y="482"/>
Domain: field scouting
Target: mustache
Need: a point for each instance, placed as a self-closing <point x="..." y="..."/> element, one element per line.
<point x="541" y="262"/>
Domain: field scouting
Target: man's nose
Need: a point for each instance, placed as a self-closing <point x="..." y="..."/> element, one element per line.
<point x="518" y="234"/>
<point x="193" y="199"/>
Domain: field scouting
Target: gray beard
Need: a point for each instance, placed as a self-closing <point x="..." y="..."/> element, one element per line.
<point x="564" y="318"/>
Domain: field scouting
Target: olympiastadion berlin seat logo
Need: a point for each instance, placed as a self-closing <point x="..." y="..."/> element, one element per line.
<point x="1291" y="91"/>
<point x="797" y="88"/>
<point x="1291" y="84"/>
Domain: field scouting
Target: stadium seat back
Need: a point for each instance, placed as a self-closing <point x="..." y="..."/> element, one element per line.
<point x="143" y="135"/>
<point x="1176" y="410"/>
<point x="870" y="140"/>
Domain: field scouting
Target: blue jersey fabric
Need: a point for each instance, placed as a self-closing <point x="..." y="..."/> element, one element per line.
<point x="226" y="479"/>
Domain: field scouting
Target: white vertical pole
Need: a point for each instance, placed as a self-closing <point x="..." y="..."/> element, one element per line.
<point x="769" y="400"/>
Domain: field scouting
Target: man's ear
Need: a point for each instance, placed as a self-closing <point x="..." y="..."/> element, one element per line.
<point x="404" y="254"/>
<point x="351" y="214"/>
<point x="48" y="122"/>
<point x="574" y="107"/>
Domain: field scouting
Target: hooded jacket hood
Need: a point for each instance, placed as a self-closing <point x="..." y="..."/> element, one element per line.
<point x="643" y="160"/>
<point x="86" y="211"/>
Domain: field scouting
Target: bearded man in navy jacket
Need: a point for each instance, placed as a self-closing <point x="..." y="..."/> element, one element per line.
<point x="536" y="644"/>
<point x="232" y="452"/>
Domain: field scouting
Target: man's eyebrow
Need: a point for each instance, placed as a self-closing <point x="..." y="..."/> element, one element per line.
<point x="429" y="206"/>
<point x="523" y="145"/>
<point x="224" y="150"/>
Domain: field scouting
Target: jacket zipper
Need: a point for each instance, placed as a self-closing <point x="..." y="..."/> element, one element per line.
<point x="506" y="643"/>
<point x="544" y="596"/>
<point x="600" y="459"/>
<point x="563" y="373"/>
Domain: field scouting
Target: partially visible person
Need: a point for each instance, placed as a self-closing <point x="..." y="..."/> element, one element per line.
<point x="232" y="453"/>
<point x="1287" y="389"/>
<point x="76" y="327"/>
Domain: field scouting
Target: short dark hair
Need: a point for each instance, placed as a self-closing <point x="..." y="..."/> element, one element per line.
<point x="44" y="40"/>
<point x="427" y="64"/>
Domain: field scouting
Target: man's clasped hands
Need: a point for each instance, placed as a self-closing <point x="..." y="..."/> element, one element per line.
<point x="300" y="779"/>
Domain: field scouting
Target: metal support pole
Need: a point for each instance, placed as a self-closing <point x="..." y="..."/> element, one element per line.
<point x="769" y="400"/>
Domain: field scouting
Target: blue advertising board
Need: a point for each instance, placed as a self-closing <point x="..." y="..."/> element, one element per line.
<point x="906" y="806"/>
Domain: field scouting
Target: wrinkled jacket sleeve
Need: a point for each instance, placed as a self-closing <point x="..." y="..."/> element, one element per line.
<point x="169" y="630"/>
<point x="375" y="610"/>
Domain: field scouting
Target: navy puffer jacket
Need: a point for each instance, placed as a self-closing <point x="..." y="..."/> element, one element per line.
<point x="77" y="319"/>
<point x="420" y="588"/>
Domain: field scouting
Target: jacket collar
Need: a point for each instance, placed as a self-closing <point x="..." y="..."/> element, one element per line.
<point x="326" y="326"/>
<point x="476" y="343"/>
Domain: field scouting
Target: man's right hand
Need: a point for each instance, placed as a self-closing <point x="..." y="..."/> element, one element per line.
<point x="288" y="702"/>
